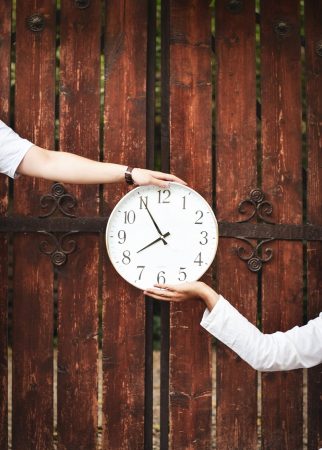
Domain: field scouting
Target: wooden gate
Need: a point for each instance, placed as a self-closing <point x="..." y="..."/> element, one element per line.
<point x="241" y="112"/>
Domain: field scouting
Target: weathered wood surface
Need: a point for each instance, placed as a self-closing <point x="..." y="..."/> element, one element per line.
<point x="32" y="420"/>
<point x="123" y="305"/>
<point x="313" y="35"/>
<point x="78" y="279"/>
<point x="190" y="133"/>
<point x="187" y="150"/>
<point x="236" y="176"/>
<point x="282" y="288"/>
<point x="5" y="33"/>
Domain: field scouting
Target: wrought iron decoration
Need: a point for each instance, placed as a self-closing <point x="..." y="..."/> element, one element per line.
<point x="57" y="249"/>
<point x="59" y="199"/>
<point x="261" y="209"/>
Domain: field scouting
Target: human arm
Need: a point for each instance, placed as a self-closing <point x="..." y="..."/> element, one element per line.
<point x="20" y="156"/>
<point x="296" y="348"/>
<point x="72" y="168"/>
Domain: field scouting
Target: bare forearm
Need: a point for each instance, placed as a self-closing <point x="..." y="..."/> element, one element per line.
<point x="69" y="168"/>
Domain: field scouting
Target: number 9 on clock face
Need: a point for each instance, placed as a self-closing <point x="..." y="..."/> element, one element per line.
<point x="157" y="235"/>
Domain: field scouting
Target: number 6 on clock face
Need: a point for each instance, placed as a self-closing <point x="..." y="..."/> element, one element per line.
<point x="161" y="235"/>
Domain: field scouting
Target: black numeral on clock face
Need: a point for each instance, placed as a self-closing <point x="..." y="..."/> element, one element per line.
<point x="143" y="202"/>
<point x="141" y="268"/>
<point x="199" y="217"/>
<point x="122" y="236"/>
<point x="163" y="196"/>
<point x="198" y="259"/>
<point x="161" y="277"/>
<point x="129" y="217"/>
<point x="126" y="257"/>
<point x="204" y="239"/>
<point x="182" y="274"/>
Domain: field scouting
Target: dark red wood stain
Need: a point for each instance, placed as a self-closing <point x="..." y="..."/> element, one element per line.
<point x="313" y="37"/>
<point x="236" y="175"/>
<point x="78" y="279"/>
<point x="5" y="32"/>
<point x="190" y="133"/>
<point x="282" y="182"/>
<point x="123" y="305"/>
<point x="32" y="422"/>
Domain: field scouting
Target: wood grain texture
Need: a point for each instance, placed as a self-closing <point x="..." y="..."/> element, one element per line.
<point x="123" y="305"/>
<point x="236" y="176"/>
<point x="313" y="36"/>
<point x="32" y="424"/>
<point x="78" y="279"/>
<point x="5" y="33"/>
<point x="282" y="183"/>
<point x="190" y="133"/>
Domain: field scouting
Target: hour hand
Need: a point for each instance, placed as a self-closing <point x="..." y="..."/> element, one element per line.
<point x="154" y="242"/>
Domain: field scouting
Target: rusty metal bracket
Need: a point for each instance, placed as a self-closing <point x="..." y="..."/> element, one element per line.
<point x="56" y="248"/>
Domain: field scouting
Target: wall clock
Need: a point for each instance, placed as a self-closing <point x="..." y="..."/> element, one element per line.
<point x="158" y="235"/>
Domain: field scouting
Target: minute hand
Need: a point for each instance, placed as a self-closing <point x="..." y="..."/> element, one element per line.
<point x="154" y="222"/>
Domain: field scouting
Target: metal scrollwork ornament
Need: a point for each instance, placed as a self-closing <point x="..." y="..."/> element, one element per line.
<point x="58" y="199"/>
<point x="57" y="249"/>
<point x="260" y="207"/>
<point x="255" y="206"/>
<point x="254" y="257"/>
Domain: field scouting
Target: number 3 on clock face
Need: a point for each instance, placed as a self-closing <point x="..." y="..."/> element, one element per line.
<point x="161" y="235"/>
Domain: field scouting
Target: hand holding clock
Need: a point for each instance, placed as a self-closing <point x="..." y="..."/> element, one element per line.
<point x="196" y="290"/>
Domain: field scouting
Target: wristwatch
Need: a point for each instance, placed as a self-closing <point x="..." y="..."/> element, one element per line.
<point x="128" y="175"/>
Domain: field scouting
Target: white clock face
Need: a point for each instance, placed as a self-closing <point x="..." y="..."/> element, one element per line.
<point x="161" y="235"/>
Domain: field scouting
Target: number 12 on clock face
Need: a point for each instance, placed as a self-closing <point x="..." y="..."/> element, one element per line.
<point x="161" y="235"/>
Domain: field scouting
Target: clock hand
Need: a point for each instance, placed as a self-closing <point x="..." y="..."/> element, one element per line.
<point x="154" y="242"/>
<point x="154" y="222"/>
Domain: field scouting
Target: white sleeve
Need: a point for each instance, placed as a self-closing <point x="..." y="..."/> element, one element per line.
<point x="12" y="150"/>
<point x="297" y="348"/>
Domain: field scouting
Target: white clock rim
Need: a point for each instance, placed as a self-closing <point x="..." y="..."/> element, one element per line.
<point x="130" y="193"/>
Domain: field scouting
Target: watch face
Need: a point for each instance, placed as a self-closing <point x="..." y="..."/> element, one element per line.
<point x="157" y="235"/>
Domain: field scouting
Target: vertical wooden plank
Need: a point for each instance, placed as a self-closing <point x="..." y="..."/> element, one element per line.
<point x="150" y="143"/>
<point x="33" y="282"/>
<point x="190" y="152"/>
<point x="5" y="39"/>
<point x="125" y="143"/>
<point x="282" y="277"/>
<point x="78" y="279"/>
<point x="236" y="176"/>
<point x="313" y="39"/>
<point x="165" y="166"/>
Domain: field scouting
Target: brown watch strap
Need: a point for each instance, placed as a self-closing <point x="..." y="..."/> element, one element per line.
<point x="128" y="175"/>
